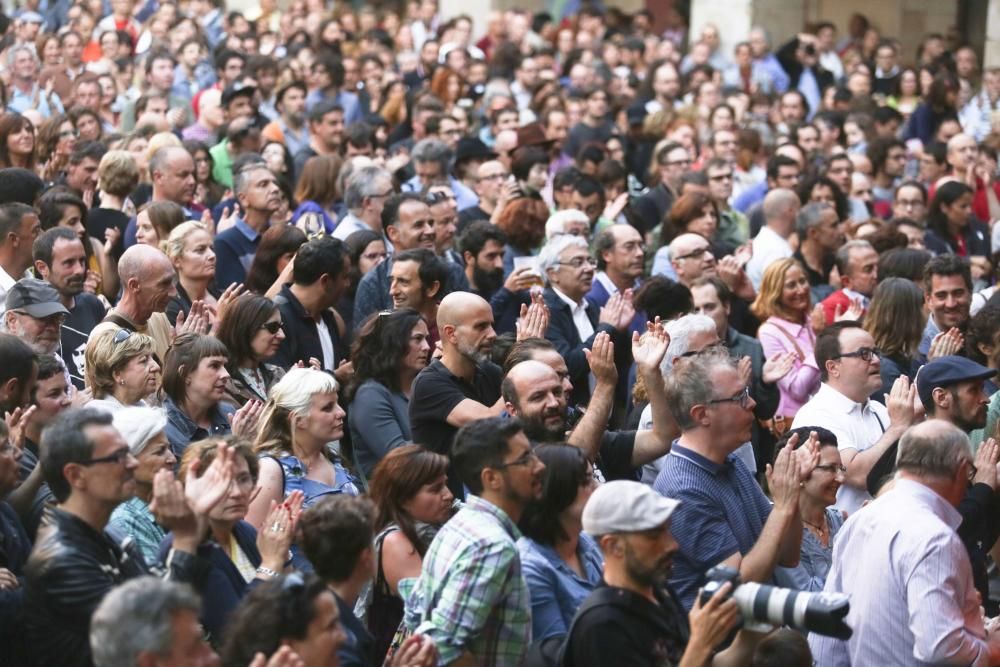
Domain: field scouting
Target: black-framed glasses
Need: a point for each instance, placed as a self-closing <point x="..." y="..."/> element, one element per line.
<point x="273" y="326"/>
<point x="832" y="467"/>
<point x="118" y="457"/>
<point x="743" y="398"/>
<point x="694" y="253"/>
<point x="864" y="354"/>
<point x="973" y="471"/>
<point x="121" y="336"/>
<point x="525" y="459"/>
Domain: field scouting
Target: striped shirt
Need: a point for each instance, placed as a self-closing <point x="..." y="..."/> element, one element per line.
<point x="722" y="512"/>
<point x="913" y="601"/>
<point x="471" y="595"/>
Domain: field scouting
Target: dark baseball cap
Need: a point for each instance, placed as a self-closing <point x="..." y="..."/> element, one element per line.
<point x="234" y="90"/>
<point x="35" y="297"/>
<point x="948" y="371"/>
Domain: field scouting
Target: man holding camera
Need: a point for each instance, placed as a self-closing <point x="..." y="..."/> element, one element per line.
<point x="634" y="619"/>
<point x="905" y="568"/>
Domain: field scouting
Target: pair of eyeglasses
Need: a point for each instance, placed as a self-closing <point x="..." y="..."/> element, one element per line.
<point x="437" y="197"/>
<point x="273" y="327"/>
<point x="121" y="336"/>
<point x="694" y="253"/>
<point x="864" y="354"/>
<point x="578" y="262"/>
<point x="118" y="457"/>
<point x="525" y="459"/>
<point x="743" y="398"/>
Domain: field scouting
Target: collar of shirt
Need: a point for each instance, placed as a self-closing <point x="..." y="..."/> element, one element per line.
<point x="573" y="305"/>
<point x="602" y="278"/>
<point x="694" y="457"/>
<point x="6" y="281"/>
<point x="935" y="503"/>
<point x="838" y="402"/>
<point x="851" y="294"/>
<point x="478" y="504"/>
<point x="247" y="230"/>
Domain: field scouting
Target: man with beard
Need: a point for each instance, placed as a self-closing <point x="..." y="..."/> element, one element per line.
<point x="290" y="126"/>
<point x="471" y="598"/>
<point x="849" y="367"/>
<point x="60" y="260"/>
<point x="482" y="246"/>
<point x="535" y="391"/>
<point x="634" y="618"/>
<point x="34" y="314"/>
<point x="463" y="385"/>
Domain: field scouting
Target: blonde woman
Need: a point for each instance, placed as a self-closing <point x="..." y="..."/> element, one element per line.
<point x="300" y="420"/>
<point x="783" y="304"/>
<point x="120" y="369"/>
<point x="189" y="248"/>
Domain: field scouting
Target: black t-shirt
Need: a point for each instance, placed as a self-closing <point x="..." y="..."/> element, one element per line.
<point x="100" y="220"/>
<point x="87" y="313"/>
<point x="631" y="631"/>
<point x="467" y="216"/>
<point x="436" y="392"/>
<point x="615" y="457"/>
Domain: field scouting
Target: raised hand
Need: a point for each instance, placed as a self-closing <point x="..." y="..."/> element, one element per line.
<point x="534" y="319"/>
<point x="946" y="343"/>
<point x="745" y="368"/>
<point x="777" y="367"/>
<point x="521" y="279"/>
<point x="900" y="402"/>
<point x="852" y="313"/>
<point x="227" y="299"/>
<point x="205" y="491"/>
<point x="783" y="478"/>
<point x="615" y="207"/>
<point x="807" y="456"/>
<point x="283" y="657"/>
<point x="817" y="318"/>
<point x="275" y="537"/>
<point x="16" y="421"/>
<point x="169" y="505"/>
<point x="649" y="349"/>
<point x="611" y="313"/>
<point x="986" y="463"/>
<point x="601" y="358"/>
<point x="244" y="421"/>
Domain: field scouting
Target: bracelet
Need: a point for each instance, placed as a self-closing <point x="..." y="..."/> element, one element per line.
<point x="268" y="571"/>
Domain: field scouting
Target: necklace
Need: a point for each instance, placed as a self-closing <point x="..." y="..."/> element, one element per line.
<point x="820" y="530"/>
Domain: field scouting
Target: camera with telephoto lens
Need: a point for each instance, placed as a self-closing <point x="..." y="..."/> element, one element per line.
<point x="822" y="613"/>
<point x="810" y="49"/>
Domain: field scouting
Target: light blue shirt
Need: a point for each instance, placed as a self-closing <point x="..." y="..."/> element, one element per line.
<point x="464" y="197"/>
<point x="21" y="102"/>
<point x="557" y="591"/>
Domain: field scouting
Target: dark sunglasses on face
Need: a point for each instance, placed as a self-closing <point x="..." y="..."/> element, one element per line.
<point x="272" y="327"/>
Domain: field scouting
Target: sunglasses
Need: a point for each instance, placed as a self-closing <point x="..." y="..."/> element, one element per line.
<point x="119" y="457"/>
<point x="122" y="335"/>
<point x="272" y="327"/>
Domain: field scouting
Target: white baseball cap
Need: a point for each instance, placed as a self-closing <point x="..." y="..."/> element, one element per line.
<point x="626" y="507"/>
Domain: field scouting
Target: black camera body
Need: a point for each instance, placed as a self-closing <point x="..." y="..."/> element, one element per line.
<point x="822" y="613"/>
<point x="810" y="49"/>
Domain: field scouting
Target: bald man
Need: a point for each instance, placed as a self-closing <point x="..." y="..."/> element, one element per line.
<point x="147" y="279"/>
<point x="780" y="208"/>
<point x="463" y="385"/>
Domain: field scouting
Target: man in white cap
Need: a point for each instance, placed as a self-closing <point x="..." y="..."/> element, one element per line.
<point x="635" y="619"/>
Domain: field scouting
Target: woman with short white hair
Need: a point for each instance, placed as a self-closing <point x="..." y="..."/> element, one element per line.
<point x="144" y="430"/>
<point x="300" y="420"/>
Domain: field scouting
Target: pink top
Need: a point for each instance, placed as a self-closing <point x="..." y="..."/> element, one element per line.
<point x="776" y="336"/>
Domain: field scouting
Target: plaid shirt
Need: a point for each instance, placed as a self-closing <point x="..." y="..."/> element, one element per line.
<point x="133" y="518"/>
<point x="471" y="595"/>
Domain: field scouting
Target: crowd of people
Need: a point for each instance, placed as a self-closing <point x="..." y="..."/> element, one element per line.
<point x="351" y="335"/>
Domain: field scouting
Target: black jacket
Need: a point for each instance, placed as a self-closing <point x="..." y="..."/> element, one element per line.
<point x="70" y="570"/>
<point x="791" y="65"/>
<point x="301" y="335"/>
<point x="563" y="335"/>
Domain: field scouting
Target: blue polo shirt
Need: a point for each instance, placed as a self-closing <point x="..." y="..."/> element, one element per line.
<point x="722" y="511"/>
<point x="234" y="252"/>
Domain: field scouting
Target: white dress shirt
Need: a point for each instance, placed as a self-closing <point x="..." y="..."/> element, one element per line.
<point x="6" y="282"/>
<point x="913" y="601"/>
<point x="768" y="246"/>
<point x="857" y="426"/>
<point x="580" y="318"/>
